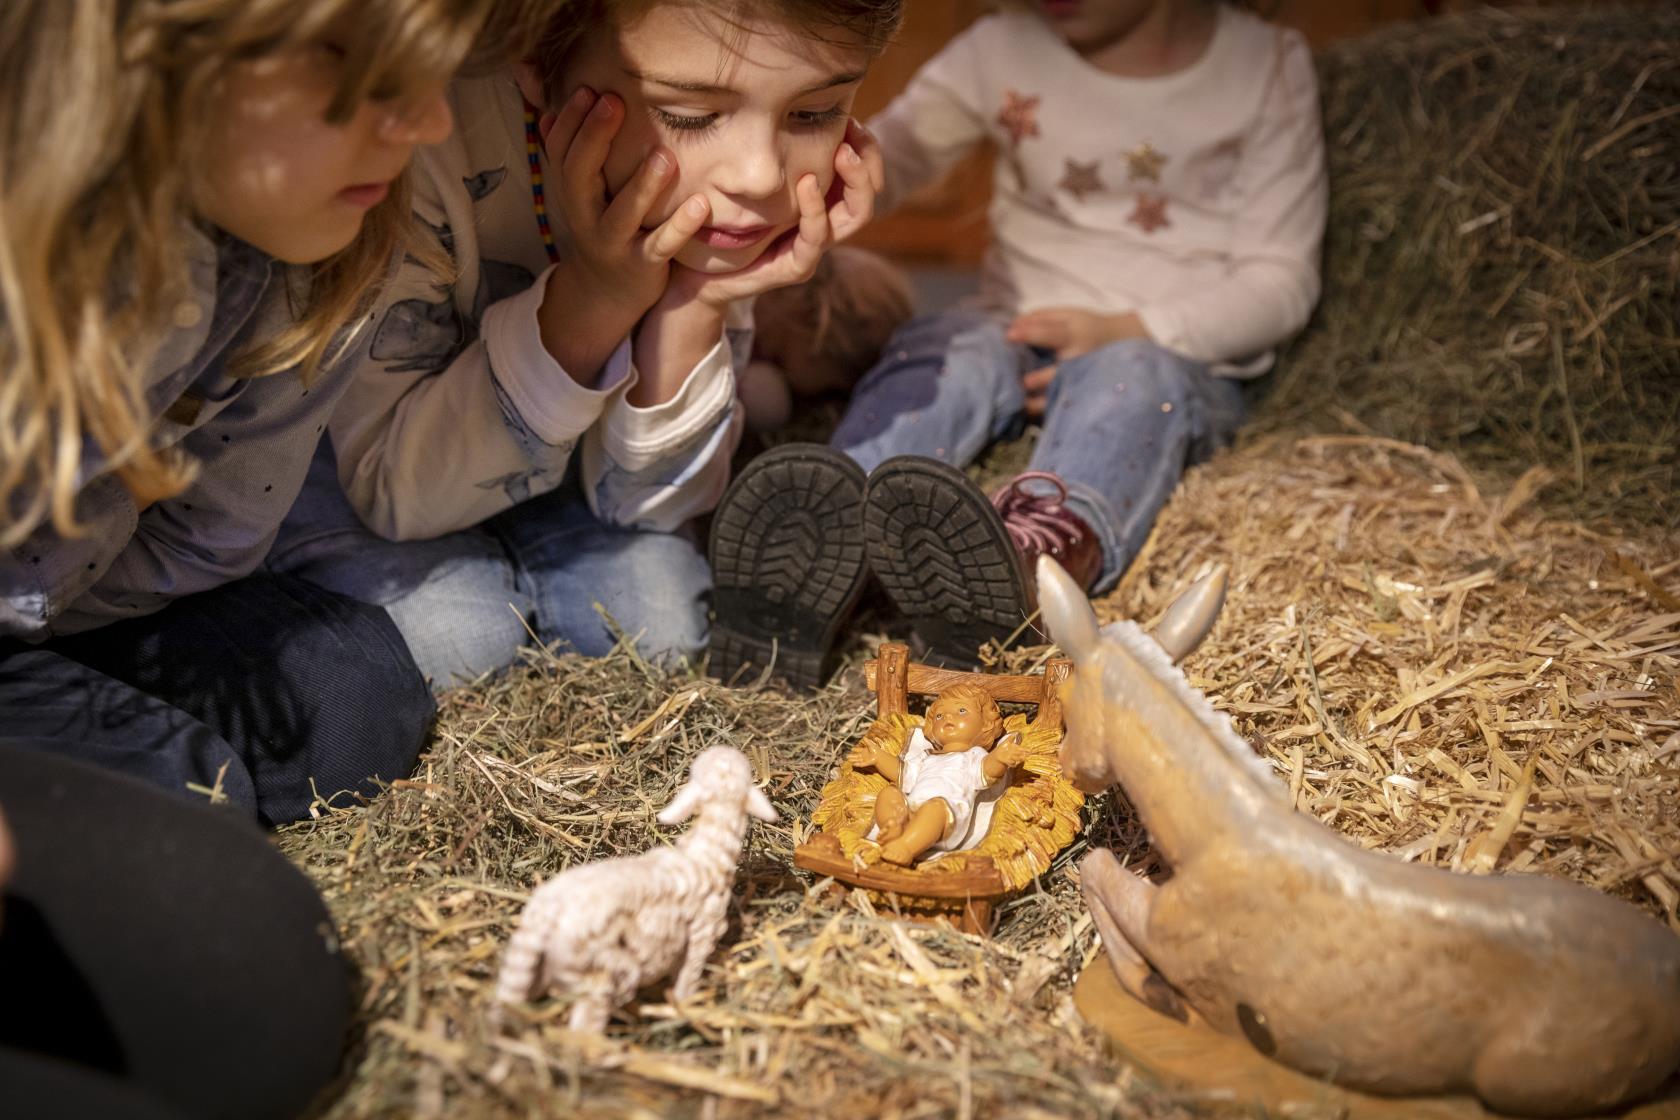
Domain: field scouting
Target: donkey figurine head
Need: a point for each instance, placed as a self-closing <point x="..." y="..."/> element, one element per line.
<point x="1073" y="623"/>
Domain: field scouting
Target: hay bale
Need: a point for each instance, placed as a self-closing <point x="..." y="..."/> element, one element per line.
<point x="1503" y="249"/>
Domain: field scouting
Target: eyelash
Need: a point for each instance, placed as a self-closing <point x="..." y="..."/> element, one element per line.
<point x="809" y="119"/>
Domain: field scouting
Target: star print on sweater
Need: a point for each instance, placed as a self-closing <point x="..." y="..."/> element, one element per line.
<point x="1080" y="179"/>
<point x="1019" y="116"/>
<point x="1150" y="213"/>
<point x="1145" y="163"/>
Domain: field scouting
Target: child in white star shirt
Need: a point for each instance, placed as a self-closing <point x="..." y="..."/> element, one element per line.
<point x="1157" y="211"/>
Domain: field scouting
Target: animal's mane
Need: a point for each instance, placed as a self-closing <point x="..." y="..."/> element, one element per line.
<point x="1148" y="652"/>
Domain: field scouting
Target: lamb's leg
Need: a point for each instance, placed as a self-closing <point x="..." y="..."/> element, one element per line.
<point x="1119" y="903"/>
<point x="703" y="934"/>
<point x="590" y="1012"/>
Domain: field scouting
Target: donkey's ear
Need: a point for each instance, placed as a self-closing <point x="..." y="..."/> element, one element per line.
<point x="1190" y="618"/>
<point x="1066" y="611"/>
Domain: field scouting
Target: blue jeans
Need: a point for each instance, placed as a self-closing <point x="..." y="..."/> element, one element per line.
<point x="268" y="688"/>
<point x="1120" y="426"/>
<point x="467" y="601"/>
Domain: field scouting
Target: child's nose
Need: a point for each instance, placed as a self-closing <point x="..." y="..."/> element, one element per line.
<point x="754" y="170"/>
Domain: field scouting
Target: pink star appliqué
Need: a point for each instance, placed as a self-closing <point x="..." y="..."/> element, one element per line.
<point x="1150" y="213"/>
<point x="1019" y="116"/>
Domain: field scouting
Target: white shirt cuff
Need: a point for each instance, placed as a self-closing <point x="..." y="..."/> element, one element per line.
<point x="553" y="405"/>
<point x="637" y="437"/>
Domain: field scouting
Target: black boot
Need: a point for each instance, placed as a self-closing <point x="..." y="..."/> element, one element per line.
<point x="943" y="553"/>
<point x="787" y="563"/>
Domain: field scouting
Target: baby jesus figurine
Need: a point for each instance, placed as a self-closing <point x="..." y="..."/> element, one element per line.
<point x="947" y="780"/>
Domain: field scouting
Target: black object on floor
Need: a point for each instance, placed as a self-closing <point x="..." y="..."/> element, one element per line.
<point x="942" y="552"/>
<point x="787" y="562"/>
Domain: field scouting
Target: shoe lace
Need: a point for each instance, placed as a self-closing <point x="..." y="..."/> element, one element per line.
<point x="1037" y="522"/>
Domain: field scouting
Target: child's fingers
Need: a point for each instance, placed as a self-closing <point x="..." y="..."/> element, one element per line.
<point x="629" y="209"/>
<point x="856" y="204"/>
<point x="585" y="158"/>
<point x="677" y="230"/>
<point x="1038" y="380"/>
<point x="863" y="142"/>
<point x="815" y="231"/>
<point x="562" y="127"/>
<point x="1034" y="405"/>
<point x="1040" y="328"/>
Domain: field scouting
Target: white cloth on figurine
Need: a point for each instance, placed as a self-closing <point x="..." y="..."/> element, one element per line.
<point x="960" y="781"/>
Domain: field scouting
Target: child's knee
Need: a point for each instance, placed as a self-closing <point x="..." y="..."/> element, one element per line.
<point x="662" y="602"/>
<point x="360" y="709"/>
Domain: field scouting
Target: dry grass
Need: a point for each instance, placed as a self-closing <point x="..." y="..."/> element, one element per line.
<point x="1490" y="689"/>
<point x="1502" y="265"/>
<point x="1437" y="665"/>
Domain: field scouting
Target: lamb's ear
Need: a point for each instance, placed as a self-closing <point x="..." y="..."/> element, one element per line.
<point x="682" y="806"/>
<point x="759" y="806"/>
<point x="1190" y="618"/>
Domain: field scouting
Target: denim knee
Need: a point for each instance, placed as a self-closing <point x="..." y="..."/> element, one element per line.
<point x="354" y="696"/>
<point x="654" y="587"/>
<point x="463" y="621"/>
<point x="662" y="599"/>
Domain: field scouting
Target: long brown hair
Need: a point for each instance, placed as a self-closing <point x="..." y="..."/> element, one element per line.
<point x="100" y="110"/>
<point x="870" y="22"/>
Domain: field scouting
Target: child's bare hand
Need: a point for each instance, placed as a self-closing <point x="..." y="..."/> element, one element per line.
<point x="1068" y="332"/>
<point x="1072" y="331"/>
<point x="611" y="270"/>
<point x="859" y="175"/>
<point x="823" y="221"/>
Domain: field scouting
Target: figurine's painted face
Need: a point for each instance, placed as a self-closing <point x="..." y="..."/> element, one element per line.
<point x="749" y="107"/>
<point x="953" y="723"/>
<point x="283" y="178"/>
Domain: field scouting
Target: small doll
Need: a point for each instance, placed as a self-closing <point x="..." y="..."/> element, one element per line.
<point x="947" y="781"/>
<point x="821" y="336"/>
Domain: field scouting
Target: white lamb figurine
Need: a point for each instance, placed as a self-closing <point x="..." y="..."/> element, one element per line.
<point x="603" y="930"/>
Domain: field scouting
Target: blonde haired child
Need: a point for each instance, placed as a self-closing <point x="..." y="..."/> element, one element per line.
<point x="198" y="199"/>
<point x="528" y="440"/>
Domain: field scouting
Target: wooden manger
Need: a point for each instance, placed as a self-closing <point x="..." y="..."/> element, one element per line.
<point x="1037" y="816"/>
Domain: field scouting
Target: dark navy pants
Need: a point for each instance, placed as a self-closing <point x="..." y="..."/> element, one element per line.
<point x="269" y="689"/>
<point x="158" y="959"/>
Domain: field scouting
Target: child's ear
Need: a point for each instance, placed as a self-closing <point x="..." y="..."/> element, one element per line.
<point x="530" y="83"/>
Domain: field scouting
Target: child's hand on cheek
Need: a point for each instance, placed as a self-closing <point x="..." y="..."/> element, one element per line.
<point x="687" y="321"/>
<point x="611" y="270"/>
<point x="823" y="222"/>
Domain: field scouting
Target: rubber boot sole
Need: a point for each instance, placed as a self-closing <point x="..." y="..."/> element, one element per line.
<point x="787" y="559"/>
<point x="941" y="551"/>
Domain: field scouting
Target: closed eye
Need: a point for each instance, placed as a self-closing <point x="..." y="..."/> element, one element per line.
<point x="680" y="122"/>
<point x="818" y="118"/>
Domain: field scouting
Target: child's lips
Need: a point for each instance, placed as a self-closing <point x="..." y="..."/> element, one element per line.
<point x="365" y="194"/>
<point x="738" y="237"/>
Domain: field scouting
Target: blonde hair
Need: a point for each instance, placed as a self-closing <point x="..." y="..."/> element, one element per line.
<point x="991" y="715"/>
<point x="101" y="111"/>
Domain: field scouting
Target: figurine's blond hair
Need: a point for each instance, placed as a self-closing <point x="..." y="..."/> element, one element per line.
<point x="991" y="715"/>
<point x="102" y="104"/>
